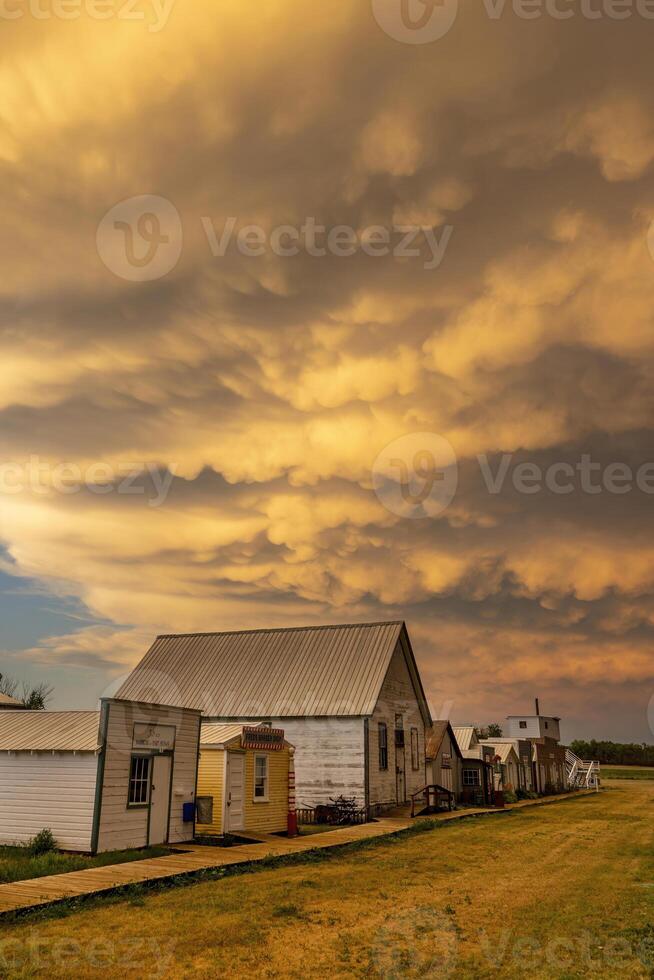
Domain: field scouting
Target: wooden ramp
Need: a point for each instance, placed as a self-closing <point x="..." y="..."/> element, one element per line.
<point x="189" y="859"/>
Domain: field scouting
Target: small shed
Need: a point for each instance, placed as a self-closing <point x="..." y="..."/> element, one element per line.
<point x="48" y="771"/>
<point x="443" y="757"/>
<point x="243" y="780"/>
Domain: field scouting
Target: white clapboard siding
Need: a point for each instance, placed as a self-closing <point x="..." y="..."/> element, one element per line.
<point x="45" y="790"/>
<point x="124" y="827"/>
<point x="329" y="757"/>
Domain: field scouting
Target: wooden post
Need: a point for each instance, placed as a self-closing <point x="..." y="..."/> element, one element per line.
<point x="292" y="812"/>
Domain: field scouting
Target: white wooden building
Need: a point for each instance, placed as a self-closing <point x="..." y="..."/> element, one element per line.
<point x="349" y="698"/>
<point x="48" y="773"/>
<point x="103" y="780"/>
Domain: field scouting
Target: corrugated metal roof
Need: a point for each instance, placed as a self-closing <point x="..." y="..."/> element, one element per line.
<point x="7" y="701"/>
<point x="49" y="731"/>
<point x="464" y="736"/>
<point x="503" y="749"/>
<point x="301" y="672"/>
<point x="213" y="734"/>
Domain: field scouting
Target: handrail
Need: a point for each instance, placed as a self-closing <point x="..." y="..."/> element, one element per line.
<point x="426" y="791"/>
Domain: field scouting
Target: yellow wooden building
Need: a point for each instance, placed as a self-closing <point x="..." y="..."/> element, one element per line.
<point x="243" y="780"/>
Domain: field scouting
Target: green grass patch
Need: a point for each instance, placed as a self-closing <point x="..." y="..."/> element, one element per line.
<point x="17" y="864"/>
<point x="626" y="772"/>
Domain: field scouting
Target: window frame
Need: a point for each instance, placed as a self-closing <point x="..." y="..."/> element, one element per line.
<point x="265" y="798"/>
<point x="476" y="782"/>
<point x="415" y="749"/>
<point x="522" y="724"/>
<point x="143" y="781"/>
<point x="382" y="727"/>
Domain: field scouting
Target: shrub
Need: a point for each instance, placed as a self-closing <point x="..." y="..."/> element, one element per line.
<point x="43" y="843"/>
<point x="510" y="797"/>
<point x="522" y="794"/>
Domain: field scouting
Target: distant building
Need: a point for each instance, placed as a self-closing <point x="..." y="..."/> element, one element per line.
<point x="548" y="755"/>
<point x="8" y="703"/>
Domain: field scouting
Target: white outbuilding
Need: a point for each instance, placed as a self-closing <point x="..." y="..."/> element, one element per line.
<point x="122" y="777"/>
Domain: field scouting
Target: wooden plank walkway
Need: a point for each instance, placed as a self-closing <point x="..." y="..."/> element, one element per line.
<point x="34" y="893"/>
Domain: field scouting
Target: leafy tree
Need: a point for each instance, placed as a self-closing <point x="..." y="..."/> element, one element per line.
<point x="494" y="731"/>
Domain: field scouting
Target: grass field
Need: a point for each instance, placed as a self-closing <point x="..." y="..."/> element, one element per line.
<point x="627" y="772"/>
<point x="16" y="864"/>
<point x="558" y="891"/>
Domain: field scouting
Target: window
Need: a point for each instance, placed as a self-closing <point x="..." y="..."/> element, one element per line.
<point x="139" y="781"/>
<point x="471" y="777"/>
<point x="446" y="762"/>
<point x="399" y="732"/>
<point x="547" y="724"/>
<point x="383" y="746"/>
<point x="523" y="724"/>
<point x="261" y="777"/>
<point x="415" y="751"/>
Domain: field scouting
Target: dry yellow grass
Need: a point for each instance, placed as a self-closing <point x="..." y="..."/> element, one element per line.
<point x="559" y="891"/>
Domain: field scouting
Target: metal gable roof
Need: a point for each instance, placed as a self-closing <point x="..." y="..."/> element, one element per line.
<point x="465" y="736"/>
<point x="316" y="671"/>
<point x="49" y="731"/>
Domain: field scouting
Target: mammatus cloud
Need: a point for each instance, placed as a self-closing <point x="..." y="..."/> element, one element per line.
<point x="265" y="387"/>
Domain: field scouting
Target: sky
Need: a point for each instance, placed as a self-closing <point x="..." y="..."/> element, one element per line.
<point x="215" y="415"/>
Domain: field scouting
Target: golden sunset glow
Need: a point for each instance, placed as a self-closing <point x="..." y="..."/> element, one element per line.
<point x="251" y="395"/>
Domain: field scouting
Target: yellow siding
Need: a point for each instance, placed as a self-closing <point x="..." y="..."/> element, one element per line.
<point x="267" y="818"/>
<point x="270" y="817"/>
<point x="211" y="779"/>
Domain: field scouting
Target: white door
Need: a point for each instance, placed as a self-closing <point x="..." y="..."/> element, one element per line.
<point x="160" y="799"/>
<point x="235" y="808"/>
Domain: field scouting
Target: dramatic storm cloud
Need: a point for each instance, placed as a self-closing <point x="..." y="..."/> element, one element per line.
<point x="219" y="415"/>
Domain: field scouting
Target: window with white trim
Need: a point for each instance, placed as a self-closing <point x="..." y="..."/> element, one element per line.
<point x="139" y="780"/>
<point x="471" y="777"/>
<point x="261" y="778"/>
<point x="523" y="724"/>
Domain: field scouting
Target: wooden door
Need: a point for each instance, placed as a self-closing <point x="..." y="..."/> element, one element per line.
<point x="235" y="803"/>
<point x="160" y="799"/>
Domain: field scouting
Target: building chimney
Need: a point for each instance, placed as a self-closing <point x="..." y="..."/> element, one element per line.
<point x="537" y="707"/>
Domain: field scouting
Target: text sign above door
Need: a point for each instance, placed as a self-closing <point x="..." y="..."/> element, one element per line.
<point x="156" y="738"/>
<point x="262" y="738"/>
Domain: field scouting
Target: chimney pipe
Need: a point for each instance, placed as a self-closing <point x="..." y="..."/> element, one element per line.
<point x="537" y="707"/>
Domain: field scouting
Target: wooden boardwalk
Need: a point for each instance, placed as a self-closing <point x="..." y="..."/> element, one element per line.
<point x="189" y="859"/>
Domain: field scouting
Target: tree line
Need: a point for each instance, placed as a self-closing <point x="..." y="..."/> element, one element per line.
<point x="615" y="753"/>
